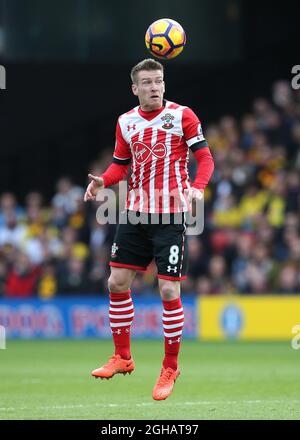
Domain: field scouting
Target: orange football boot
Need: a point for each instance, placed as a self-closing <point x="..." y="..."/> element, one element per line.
<point x="115" y="365"/>
<point x="165" y="383"/>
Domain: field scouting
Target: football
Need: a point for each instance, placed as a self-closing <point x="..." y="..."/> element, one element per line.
<point x="165" y="38"/>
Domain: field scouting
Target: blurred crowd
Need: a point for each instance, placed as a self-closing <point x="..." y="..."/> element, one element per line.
<point x="251" y="240"/>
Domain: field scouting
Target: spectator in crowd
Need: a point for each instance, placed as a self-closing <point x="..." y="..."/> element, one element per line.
<point x="9" y="207"/>
<point x="47" y="282"/>
<point x="217" y="274"/>
<point x="288" y="281"/>
<point x="12" y="232"/>
<point x="73" y="278"/>
<point x="22" y="278"/>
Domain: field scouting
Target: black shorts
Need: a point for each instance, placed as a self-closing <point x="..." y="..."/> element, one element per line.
<point x="135" y="246"/>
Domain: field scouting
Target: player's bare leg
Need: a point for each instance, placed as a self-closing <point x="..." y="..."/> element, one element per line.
<point x="121" y="314"/>
<point x="172" y="322"/>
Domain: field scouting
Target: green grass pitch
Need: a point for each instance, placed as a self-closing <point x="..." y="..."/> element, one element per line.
<point x="230" y="380"/>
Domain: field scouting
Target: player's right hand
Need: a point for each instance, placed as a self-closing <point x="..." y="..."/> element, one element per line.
<point x="96" y="184"/>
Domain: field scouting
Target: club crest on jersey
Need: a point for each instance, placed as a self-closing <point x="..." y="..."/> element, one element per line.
<point x="167" y="119"/>
<point x="142" y="152"/>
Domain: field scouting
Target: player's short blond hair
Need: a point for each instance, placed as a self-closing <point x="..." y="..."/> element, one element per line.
<point x="147" y="64"/>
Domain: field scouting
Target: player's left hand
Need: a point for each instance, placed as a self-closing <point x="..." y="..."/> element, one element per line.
<point x="195" y="194"/>
<point x="96" y="184"/>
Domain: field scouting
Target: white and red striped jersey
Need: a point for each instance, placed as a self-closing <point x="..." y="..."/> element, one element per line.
<point x="157" y="143"/>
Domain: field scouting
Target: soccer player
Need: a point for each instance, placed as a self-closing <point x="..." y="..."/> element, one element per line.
<point x="154" y="138"/>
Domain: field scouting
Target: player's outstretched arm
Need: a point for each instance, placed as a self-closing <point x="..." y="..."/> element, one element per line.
<point x="114" y="174"/>
<point x="96" y="184"/>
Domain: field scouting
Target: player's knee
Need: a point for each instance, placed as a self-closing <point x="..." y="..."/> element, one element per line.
<point x="117" y="283"/>
<point x="169" y="290"/>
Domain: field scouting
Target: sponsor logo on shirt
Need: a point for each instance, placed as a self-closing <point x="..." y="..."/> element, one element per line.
<point x="142" y="152"/>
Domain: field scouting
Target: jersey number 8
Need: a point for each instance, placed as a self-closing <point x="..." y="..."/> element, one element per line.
<point x="174" y="254"/>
